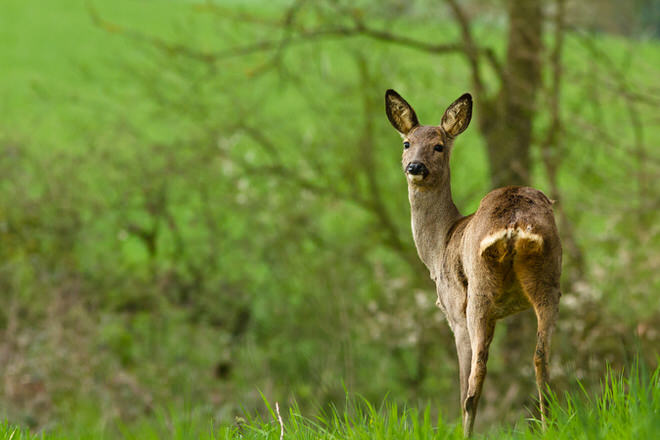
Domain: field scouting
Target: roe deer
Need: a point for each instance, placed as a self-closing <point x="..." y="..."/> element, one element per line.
<point x="501" y="260"/>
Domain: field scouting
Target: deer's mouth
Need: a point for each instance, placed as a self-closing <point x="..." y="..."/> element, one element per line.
<point x="415" y="178"/>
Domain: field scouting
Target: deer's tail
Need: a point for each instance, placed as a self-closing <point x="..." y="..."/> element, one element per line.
<point x="503" y="244"/>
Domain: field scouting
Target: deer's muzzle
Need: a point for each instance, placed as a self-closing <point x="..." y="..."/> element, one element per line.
<point x="417" y="169"/>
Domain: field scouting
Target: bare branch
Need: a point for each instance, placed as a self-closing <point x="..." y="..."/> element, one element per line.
<point x="300" y="35"/>
<point x="621" y="83"/>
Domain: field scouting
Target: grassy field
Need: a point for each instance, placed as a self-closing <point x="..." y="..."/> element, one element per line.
<point x="627" y="408"/>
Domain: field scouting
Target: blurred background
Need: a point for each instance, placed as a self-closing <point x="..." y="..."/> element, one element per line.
<point x="202" y="201"/>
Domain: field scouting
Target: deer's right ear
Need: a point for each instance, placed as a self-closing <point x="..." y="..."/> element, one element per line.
<point x="400" y="113"/>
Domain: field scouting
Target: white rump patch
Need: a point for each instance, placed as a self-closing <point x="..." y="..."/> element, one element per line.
<point x="529" y="236"/>
<point x="507" y="234"/>
<point x="493" y="238"/>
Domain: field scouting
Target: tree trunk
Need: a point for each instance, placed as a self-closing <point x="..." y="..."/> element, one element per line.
<point x="506" y="123"/>
<point x="507" y="119"/>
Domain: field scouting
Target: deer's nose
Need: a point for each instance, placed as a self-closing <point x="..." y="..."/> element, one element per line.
<point x="417" y="169"/>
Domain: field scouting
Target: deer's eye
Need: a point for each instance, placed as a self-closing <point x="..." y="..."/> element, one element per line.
<point x="406" y="145"/>
<point x="439" y="148"/>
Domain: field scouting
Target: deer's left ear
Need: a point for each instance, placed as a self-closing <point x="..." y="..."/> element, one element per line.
<point x="399" y="112"/>
<point x="457" y="116"/>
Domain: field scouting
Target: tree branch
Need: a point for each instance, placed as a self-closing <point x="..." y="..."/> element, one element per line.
<point x="303" y="35"/>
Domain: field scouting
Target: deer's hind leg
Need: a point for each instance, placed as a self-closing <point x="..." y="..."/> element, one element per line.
<point x="544" y="297"/>
<point x="546" y="315"/>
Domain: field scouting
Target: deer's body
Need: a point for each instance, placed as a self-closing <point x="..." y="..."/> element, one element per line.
<point x="501" y="260"/>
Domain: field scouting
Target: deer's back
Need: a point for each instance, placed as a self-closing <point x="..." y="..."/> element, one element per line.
<point x="512" y="238"/>
<point x="517" y="207"/>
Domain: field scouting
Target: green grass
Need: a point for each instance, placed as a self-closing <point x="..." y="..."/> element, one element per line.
<point x="627" y="408"/>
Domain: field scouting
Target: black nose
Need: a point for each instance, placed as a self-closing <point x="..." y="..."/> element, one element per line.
<point x="417" y="168"/>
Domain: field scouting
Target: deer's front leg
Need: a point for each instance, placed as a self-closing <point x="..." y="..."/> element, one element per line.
<point x="464" y="351"/>
<point x="452" y="303"/>
<point x="481" y="328"/>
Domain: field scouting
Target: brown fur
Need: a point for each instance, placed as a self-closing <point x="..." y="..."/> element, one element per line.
<point x="503" y="259"/>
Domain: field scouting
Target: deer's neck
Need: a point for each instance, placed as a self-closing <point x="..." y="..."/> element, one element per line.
<point x="432" y="215"/>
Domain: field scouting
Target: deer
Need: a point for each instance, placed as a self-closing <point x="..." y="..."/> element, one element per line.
<point x="503" y="259"/>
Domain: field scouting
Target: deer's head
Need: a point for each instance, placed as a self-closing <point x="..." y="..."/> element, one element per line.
<point x="426" y="148"/>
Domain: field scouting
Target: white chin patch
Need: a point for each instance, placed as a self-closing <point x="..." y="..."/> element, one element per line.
<point x="415" y="177"/>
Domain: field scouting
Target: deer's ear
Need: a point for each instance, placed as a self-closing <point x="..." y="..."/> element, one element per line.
<point x="457" y="116"/>
<point x="399" y="112"/>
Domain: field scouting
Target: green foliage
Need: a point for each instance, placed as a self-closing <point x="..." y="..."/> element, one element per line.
<point x="183" y="232"/>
